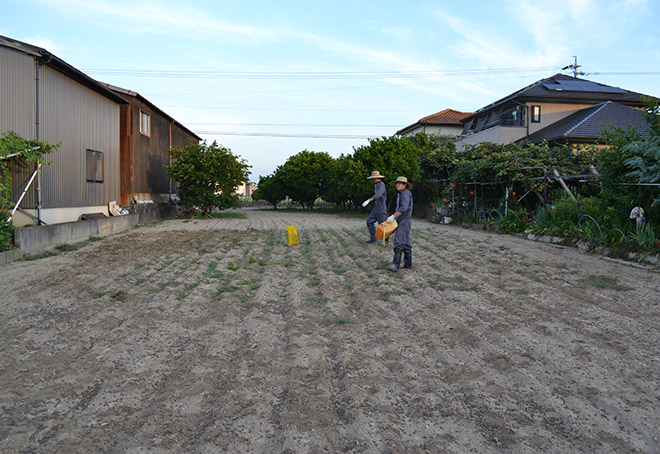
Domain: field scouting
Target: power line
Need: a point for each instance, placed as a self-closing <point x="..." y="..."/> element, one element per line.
<point x="315" y="75"/>
<point x="267" y="134"/>
<point x="300" y="109"/>
<point x="299" y="125"/>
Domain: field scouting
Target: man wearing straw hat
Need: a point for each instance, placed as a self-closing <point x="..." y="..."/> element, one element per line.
<point x="379" y="213"/>
<point x="403" y="216"/>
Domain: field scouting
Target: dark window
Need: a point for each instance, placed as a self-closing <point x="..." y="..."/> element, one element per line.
<point x="94" y="166"/>
<point x="144" y="123"/>
<point x="536" y="114"/>
<point x="513" y="117"/>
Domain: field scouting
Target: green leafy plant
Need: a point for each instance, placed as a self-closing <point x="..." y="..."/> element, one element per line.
<point x="14" y="147"/>
<point x="208" y="175"/>
<point x="233" y="266"/>
<point x="514" y="222"/>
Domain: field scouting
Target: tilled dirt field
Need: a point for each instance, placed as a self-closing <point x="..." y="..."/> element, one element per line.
<point x="213" y="336"/>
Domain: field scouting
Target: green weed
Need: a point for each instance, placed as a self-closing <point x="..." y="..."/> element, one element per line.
<point x="604" y="282"/>
<point x="233" y="266"/>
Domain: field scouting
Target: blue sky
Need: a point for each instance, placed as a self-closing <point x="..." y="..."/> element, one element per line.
<point x="268" y="79"/>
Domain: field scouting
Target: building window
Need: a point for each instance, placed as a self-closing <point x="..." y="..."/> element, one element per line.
<point x="94" y="164"/>
<point x="144" y="123"/>
<point x="536" y="114"/>
<point x="513" y="117"/>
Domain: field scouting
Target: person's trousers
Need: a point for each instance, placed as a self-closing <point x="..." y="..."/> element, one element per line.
<point x="375" y="217"/>
<point x="402" y="237"/>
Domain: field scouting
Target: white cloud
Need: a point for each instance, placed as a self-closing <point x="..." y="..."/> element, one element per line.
<point x="167" y="18"/>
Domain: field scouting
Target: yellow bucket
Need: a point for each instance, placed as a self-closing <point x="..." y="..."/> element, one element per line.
<point x="292" y="235"/>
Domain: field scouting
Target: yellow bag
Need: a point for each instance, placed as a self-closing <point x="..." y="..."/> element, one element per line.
<point x="385" y="229"/>
<point x="292" y="235"/>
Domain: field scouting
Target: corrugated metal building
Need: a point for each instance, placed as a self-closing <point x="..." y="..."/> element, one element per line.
<point x="44" y="98"/>
<point x="147" y="134"/>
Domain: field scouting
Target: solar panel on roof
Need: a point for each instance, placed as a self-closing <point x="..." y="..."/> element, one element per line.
<point x="581" y="85"/>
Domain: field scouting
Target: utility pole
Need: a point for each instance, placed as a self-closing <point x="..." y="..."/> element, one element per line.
<point x="574" y="67"/>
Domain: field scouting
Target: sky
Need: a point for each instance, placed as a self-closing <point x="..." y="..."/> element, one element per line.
<point x="268" y="79"/>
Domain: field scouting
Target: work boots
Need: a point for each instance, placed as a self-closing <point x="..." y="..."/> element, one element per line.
<point x="372" y="234"/>
<point x="394" y="266"/>
<point x="407" y="260"/>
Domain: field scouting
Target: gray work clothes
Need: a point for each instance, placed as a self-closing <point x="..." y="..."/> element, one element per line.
<point x="404" y="204"/>
<point x="379" y="212"/>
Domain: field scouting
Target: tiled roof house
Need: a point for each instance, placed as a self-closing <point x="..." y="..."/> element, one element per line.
<point x="447" y="122"/>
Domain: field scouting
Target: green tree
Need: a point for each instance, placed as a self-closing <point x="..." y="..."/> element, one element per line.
<point x="208" y="175"/>
<point x="348" y="182"/>
<point x="269" y="189"/>
<point x="391" y="156"/>
<point x="645" y="162"/>
<point x="13" y="146"/>
<point x="305" y="176"/>
<point x="645" y="159"/>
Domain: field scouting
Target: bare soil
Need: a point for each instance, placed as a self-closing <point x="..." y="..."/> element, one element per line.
<point x="213" y="336"/>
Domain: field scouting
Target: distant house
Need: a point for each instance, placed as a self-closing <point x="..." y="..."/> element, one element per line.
<point x="447" y="122"/>
<point x="147" y="134"/>
<point x="560" y="109"/>
<point x="245" y="190"/>
<point x="44" y="98"/>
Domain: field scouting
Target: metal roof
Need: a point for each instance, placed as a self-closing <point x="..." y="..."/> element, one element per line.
<point x="134" y="94"/>
<point x="562" y="88"/>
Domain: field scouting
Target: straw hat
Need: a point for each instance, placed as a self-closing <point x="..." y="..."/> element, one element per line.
<point x="401" y="180"/>
<point x="375" y="174"/>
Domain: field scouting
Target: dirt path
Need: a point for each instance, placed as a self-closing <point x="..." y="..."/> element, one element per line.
<point x="214" y="336"/>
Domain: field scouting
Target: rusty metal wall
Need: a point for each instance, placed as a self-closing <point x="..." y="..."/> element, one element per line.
<point x="144" y="158"/>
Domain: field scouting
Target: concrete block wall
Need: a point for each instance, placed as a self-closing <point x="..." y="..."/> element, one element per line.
<point x="38" y="238"/>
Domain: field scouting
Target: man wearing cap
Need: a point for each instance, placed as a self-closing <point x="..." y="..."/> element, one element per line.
<point x="403" y="216"/>
<point x="379" y="213"/>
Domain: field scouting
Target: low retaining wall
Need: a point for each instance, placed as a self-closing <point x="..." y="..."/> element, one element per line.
<point x="33" y="239"/>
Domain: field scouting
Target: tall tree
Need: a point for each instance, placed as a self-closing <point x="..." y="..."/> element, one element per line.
<point x="305" y="176"/>
<point x="270" y="190"/>
<point x="208" y="175"/>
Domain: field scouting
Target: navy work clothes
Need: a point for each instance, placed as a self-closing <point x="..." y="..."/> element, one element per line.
<point x="379" y="212"/>
<point x="404" y="204"/>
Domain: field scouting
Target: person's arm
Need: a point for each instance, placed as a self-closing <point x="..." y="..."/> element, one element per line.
<point x="379" y="192"/>
<point x="405" y="199"/>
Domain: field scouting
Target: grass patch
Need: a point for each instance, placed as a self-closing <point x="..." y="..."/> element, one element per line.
<point x="67" y="247"/>
<point x="212" y="271"/>
<point x="339" y="322"/>
<point x="225" y="289"/>
<point x="229" y="216"/>
<point x="233" y="266"/>
<point x="40" y="255"/>
<point x="98" y="295"/>
<point x="604" y="282"/>
<point x="119" y="295"/>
